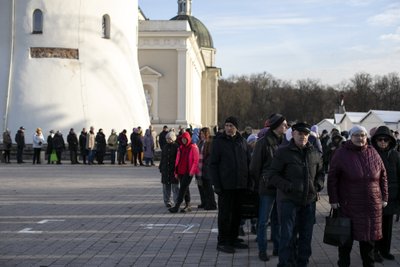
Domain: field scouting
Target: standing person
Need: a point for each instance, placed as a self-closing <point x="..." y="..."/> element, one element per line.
<point x="72" y="140"/>
<point x="161" y="137"/>
<point x="58" y="145"/>
<point x="186" y="166"/>
<point x="384" y="142"/>
<point x="7" y="143"/>
<point x="357" y="184"/>
<point x="261" y="160"/>
<point x="229" y="171"/>
<point x="38" y="140"/>
<point x="148" y="147"/>
<point x="112" y="142"/>
<point x="324" y="139"/>
<point x="205" y="186"/>
<point x="49" y="148"/>
<point x="122" y="145"/>
<point x="297" y="172"/>
<point x="167" y="169"/>
<point x="91" y="145"/>
<point x="101" y="145"/>
<point x="82" y="145"/>
<point x="137" y="147"/>
<point x="20" y="140"/>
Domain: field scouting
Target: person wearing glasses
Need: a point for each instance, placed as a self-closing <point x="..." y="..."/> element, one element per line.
<point x="357" y="184"/>
<point x="385" y="144"/>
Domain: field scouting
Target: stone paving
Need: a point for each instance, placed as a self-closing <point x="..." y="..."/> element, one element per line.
<point x="76" y="215"/>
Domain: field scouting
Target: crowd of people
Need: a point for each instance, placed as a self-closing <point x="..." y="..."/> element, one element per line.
<point x="286" y="164"/>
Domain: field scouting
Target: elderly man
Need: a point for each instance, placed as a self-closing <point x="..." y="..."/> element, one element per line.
<point x="297" y="172"/>
<point x="229" y="172"/>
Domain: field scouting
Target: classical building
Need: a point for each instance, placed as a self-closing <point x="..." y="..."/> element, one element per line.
<point x="177" y="65"/>
<point x="70" y="64"/>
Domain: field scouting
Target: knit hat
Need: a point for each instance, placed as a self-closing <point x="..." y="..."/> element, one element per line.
<point x="233" y="120"/>
<point x="171" y="135"/>
<point x="357" y="129"/>
<point x="275" y="120"/>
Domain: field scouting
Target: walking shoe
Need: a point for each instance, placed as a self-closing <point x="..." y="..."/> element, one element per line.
<point x="263" y="256"/>
<point x="174" y="209"/>
<point x="226" y="249"/>
<point x="388" y="256"/>
<point x="187" y="208"/>
<point x="168" y="205"/>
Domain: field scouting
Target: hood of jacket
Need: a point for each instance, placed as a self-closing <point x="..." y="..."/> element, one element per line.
<point x="186" y="135"/>
<point x="383" y="131"/>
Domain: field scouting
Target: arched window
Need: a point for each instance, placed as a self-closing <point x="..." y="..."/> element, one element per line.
<point x="106" y="26"/>
<point x="37" y="22"/>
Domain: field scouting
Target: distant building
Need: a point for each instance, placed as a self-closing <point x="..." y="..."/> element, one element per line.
<point x="375" y="118"/>
<point x="177" y="65"/>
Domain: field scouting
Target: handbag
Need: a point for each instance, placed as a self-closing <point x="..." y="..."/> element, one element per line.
<point x="337" y="229"/>
<point x="249" y="205"/>
<point x="53" y="156"/>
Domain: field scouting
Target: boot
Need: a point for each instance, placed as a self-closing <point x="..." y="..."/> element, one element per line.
<point x="187" y="208"/>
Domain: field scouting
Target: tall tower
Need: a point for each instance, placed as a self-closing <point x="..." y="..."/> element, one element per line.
<point x="185" y="7"/>
<point x="70" y="64"/>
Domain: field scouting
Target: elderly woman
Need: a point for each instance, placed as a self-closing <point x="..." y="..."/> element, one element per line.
<point x="38" y="141"/>
<point x="385" y="144"/>
<point x="357" y="183"/>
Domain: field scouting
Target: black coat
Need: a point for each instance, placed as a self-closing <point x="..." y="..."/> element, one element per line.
<point x="101" y="143"/>
<point x="162" y="140"/>
<point x="20" y="138"/>
<point x="49" y="148"/>
<point x="261" y="160"/>
<point x="58" y="142"/>
<point x="72" y="141"/>
<point x="82" y="142"/>
<point x="391" y="160"/>
<point x="136" y="143"/>
<point x="229" y="163"/>
<point x="167" y="163"/>
<point x="297" y="173"/>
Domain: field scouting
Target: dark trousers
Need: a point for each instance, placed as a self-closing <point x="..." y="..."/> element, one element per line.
<point x="184" y="192"/>
<point x="209" y="196"/>
<point x="7" y="156"/>
<point x="112" y="154"/>
<point x="137" y="156"/>
<point x="20" y="151"/>
<point x="229" y="202"/>
<point x="84" y="155"/>
<point x="59" y="154"/>
<point x="73" y="155"/>
<point x="36" y="155"/>
<point x="383" y="245"/>
<point x="366" y="251"/>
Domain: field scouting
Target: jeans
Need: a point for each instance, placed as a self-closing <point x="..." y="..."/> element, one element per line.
<point x="167" y="189"/>
<point x="295" y="220"/>
<point x="112" y="154"/>
<point x="267" y="202"/>
<point x="91" y="155"/>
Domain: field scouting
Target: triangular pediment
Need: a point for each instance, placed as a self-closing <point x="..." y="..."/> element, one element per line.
<point x="146" y="70"/>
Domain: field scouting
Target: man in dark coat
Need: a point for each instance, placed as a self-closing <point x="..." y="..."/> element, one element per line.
<point x="297" y="172"/>
<point x="58" y="145"/>
<point x="161" y="138"/>
<point x="228" y="168"/>
<point x="82" y="145"/>
<point x="101" y="146"/>
<point x="20" y="140"/>
<point x="49" y="148"/>
<point x="72" y="140"/>
<point x="384" y="142"/>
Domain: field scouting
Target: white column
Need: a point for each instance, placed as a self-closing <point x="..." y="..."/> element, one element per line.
<point x="182" y="97"/>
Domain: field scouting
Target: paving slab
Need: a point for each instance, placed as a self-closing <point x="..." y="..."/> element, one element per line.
<point x="107" y="215"/>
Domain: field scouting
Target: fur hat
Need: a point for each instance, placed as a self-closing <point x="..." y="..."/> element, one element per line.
<point x="171" y="135"/>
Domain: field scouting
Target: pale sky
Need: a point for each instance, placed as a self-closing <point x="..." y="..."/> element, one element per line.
<point x="326" y="40"/>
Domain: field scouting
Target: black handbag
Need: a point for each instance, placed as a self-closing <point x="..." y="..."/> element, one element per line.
<point x="249" y="205"/>
<point x="337" y="229"/>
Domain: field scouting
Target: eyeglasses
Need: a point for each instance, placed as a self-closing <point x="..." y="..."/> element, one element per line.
<point x="360" y="135"/>
<point x="384" y="139"/>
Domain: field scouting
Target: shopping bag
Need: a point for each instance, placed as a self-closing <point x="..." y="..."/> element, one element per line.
<point x="249" y="205"/>
<point x="337" y="229"/>
<point x="53" y="156"/>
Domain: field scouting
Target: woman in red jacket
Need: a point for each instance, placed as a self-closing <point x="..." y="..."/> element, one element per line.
<point x="357" y="184"/>
<point x="186" y="166"/>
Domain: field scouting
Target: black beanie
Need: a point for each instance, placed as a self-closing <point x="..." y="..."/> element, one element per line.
<point x="233" y="120"/>
<point x="275" y="120"/>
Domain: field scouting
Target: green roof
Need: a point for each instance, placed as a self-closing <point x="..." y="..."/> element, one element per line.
<point x="204" y="38"/>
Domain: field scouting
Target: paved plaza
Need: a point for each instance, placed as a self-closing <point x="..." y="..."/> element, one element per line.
<point x="77" y="215"/>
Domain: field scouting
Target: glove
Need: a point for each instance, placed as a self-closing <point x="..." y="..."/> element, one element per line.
<point x="335" y="206"/>
<point x="384" y="204"/>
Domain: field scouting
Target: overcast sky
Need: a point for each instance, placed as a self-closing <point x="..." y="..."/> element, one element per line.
<point x="327" y="40"/>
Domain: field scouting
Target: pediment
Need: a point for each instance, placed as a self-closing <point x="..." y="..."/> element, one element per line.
<point x="148" y="71"/>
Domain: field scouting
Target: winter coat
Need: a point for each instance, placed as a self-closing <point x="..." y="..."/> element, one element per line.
<point x="162" y="139"/>
<point x="229" y="163"/>
<point x="297" y="173"/>
<point x="112" y="141"/>
<point x="7" y="142"/>
<point x="72" y="140"/>
<point x="20" y="138"/>
<point x="136" y="142"/>
<point x="148" y="145"/>
<point x="82" y="142"/>
<point x="90" y="141"/>
<point x="357" y="181"/>
<point x="38" y="140"/>
<point x="122" y="142"/>
<point x="188" y="155"/>
<point x="58" y="142"/>
<point x="167" y="163"/>
<point x="391" y="160"/>
<point x="261" y="160"/>
<point x="205" y="151"/>
<point x="101" y="143"/>
<point x="49" y="148"/>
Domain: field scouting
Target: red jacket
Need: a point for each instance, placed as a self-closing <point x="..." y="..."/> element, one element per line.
<point x="357" y="181"/>
<point x="190" y="163"/>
